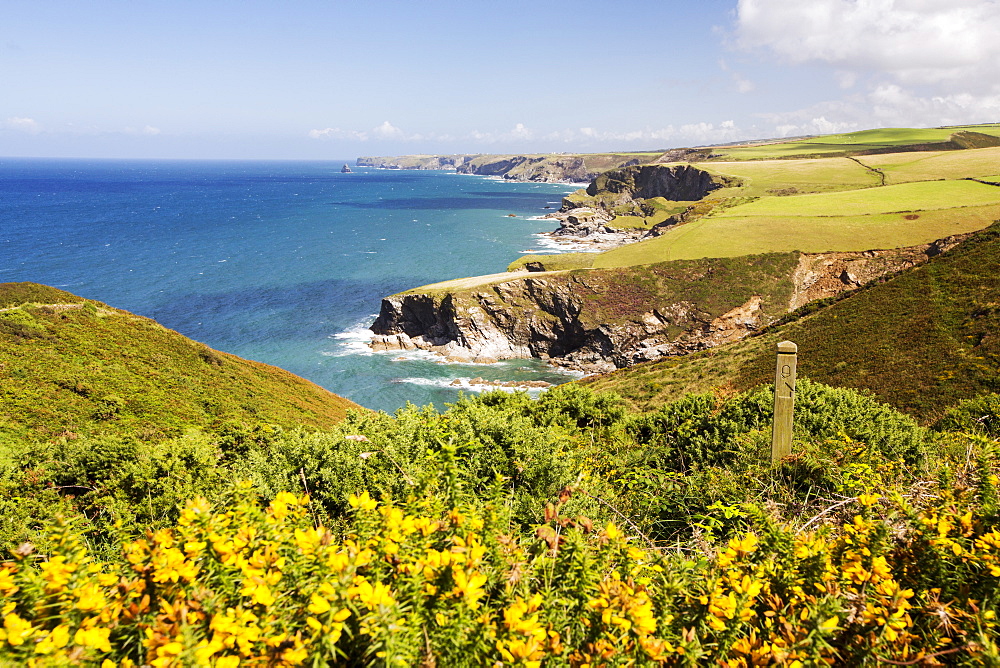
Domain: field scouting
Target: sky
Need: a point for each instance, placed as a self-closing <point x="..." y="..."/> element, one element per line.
<point x="311" y="79"/>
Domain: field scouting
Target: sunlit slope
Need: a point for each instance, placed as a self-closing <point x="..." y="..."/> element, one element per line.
<point x="921" y="341"/>
<point x="788" y="177"/>
<point x="930" y="165"/>
<point x="853" y="143"/>
<point x="887" y="217"/>
<point x="73" y="366"/>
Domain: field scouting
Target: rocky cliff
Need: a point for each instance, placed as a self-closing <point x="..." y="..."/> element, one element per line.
<point x="415" y="161"/>
<point x="599" y="320"/>
<point x="549" y="168"/>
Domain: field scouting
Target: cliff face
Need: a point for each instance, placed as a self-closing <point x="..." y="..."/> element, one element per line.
<point x="679" y="182"/>
<point x="539" y="168"/>
<point x="599" y="320"/>
<point x="628" y="187"/>
<point x="415" y="161"/>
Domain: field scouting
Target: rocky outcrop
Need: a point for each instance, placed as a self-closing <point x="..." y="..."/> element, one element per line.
<point x="592" y="227"/>
<point x="599" y="320"/>
<point x="823" y="275"/>
<point x="619" y="187"/>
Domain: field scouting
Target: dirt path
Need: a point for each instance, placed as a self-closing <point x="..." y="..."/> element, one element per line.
<point x="477" y="281"/>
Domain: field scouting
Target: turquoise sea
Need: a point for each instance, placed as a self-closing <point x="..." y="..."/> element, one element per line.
<point x="281" y="262"/>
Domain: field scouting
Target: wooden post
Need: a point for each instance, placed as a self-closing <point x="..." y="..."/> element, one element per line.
<point x="784" y="399"/>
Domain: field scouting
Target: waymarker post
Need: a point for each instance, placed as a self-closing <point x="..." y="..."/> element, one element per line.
<point x="784" y="399"/>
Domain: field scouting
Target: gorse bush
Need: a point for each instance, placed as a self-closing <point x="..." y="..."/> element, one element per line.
<point x="422" y="583"/>
<point x="977" y="415"/>
<point x="700" y="429"/>
<point x="565" y="531"/>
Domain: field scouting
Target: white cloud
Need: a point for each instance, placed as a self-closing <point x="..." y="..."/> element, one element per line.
<point x="384" y="131"/>
<point x="29" y="125"/>
<point x="148" y="130"/>
<point x="912" y="62"/>
<point x="914" y="42"/>
<point x="743" y="85"/>
<point x="521" y="132"/>
<point x="387" y="131"/>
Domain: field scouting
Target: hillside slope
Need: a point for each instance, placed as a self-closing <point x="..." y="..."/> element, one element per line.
<point x="920" y="341"/>
<point x="598" y="319"/>
<point x="74" y="366"/>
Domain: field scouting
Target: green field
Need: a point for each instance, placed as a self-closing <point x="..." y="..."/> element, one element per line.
<point x="920" y="196"/>
<point x="786" y="177"/>
<point x="851" y="143"/>
<point x="731" y="236"/>
<point x="930" y="165"/>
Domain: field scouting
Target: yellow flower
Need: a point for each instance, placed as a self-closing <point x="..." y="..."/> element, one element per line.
<point x="56" y="572"/>
<point x="89" y="597"/>
<point x="279" y="507"/>
<point x="171" y="565"/>
<point x="57" y="639"/>
<point x="7" y="586"/>
<point x="371" y="595"/>
<point x="612" y="531"/>
<point x="470" y="587"/>
<point x="308" y="540"/>
<point x="259" y="593"/>
<point x="15" y="629"/>
<point x="318" y="605"/>
<point x="96" y="638"/>
<point x="868" y="500"/>
<point x="364" y="502"/>
<point x="745" y="545"/>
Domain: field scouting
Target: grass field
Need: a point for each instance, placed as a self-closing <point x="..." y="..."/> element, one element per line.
<point x="929" y="165"/>
<point x="730" y="236"/>
<point x="780" y="177"/>
<point x="852" y="142"/>
<point x="919" y="196"/>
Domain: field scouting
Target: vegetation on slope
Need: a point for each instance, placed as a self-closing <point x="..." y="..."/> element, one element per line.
<point x="864" y="142"/>
<point x="920" y="341"/>
<point x="565" y="530"/>
<point x="71" y="366"/>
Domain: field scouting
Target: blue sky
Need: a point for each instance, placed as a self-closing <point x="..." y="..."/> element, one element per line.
<point x="304" y="79"/>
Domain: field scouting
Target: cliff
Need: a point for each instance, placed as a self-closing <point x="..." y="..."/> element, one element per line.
<point x="549" y="168"/>
<point x="599" y="320"/>
<point x="414" y="161"/>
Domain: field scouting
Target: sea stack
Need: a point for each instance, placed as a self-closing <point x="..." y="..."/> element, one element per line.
<point x="345" y="169"/>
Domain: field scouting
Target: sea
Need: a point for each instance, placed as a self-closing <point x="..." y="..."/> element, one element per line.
<point x="284" y="262"/>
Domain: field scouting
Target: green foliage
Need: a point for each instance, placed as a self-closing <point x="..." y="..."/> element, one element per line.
<point x="921" y="341"/>
<point x="978" y="415"/>
<point x="70" y="366"/>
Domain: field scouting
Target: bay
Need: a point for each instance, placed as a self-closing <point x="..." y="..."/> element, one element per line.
<point x="280" y="262"/>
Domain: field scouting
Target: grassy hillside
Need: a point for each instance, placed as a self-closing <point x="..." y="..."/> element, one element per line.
<point x="74" y="366"/>
<point x="855" y="143"/>
<point x="820" y="194"/>
<point x="921" y="341"/>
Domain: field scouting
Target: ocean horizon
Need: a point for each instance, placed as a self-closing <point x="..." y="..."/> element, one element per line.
<point x="283" y="262"/>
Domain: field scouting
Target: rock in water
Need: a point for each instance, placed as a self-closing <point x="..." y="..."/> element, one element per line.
<point x="345" y="170"/>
